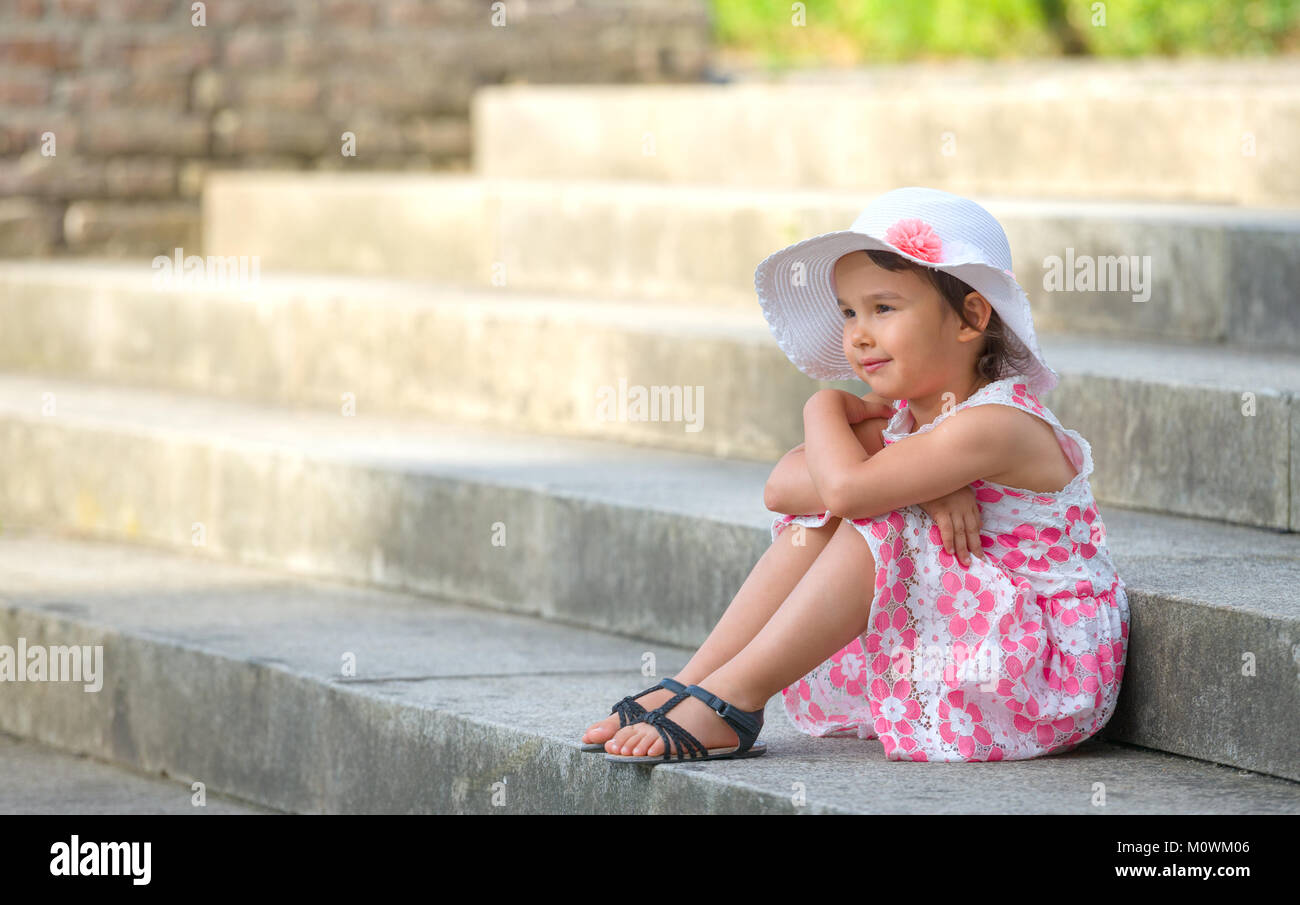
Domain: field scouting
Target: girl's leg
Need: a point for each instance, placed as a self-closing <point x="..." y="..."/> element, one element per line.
<point x="828" y="607"/>
<point x="771" y="580"/>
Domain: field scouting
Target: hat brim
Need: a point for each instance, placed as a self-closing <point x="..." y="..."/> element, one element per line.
<point x="797" y="299"/>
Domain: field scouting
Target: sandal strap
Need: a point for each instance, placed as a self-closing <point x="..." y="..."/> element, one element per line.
<point x="747" y="723"/>
<point x="670" y="731"/>
<point x="629" y="711"/>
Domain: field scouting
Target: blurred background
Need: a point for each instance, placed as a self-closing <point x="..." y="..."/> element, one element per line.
<point x="143" y="102"/>
<point x="367" y="365"/>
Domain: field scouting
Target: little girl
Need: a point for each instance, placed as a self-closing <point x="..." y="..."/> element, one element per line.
<point x="947" y="587"/>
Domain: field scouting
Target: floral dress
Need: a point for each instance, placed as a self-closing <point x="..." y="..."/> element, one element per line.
<point x="1012" y="658"/>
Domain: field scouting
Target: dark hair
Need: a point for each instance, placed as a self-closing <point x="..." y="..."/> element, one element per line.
<point x="1001" y="356"/>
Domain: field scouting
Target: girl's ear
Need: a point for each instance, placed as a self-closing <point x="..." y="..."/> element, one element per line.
<point x="978" y="310"/>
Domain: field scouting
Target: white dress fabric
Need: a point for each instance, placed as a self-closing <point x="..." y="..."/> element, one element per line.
<point x="1016" y="657"/>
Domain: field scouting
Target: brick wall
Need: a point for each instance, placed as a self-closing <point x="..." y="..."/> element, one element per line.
<point x="140" y="101"/>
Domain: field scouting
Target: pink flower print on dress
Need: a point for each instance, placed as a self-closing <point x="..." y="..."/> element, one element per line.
<point x="882" y="524"/>
<point x="964" y="724"/>
<point x="1086" y="531"/>
<point x="1020" y="393"/>
<point x="965" y="602"/>
<point x="1029" y="545"/>
<point x="1020" y="699"/>
<point x="849" y="669"/>
<point x="893" y="707"/>
<point x="1069" y="608"/>
<point x="1017" y="634"/>
<point x="890" y="638"/>
<point x="1106" y="664"/>
<point x="1065" y="724"/>
<point x="1072" y="640"/>
<point x="917" y="238"/>
<point x="906" y="743"/>
<point x="967" y="664"/>
<point x="984" y="492"/>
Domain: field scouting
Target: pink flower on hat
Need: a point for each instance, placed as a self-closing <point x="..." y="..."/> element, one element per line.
<point x="916" y="238"/>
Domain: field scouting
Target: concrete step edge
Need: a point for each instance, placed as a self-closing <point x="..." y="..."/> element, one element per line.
<point x="1190" y="428"/>
<point x="416" y="507"/>
<point x="203" y="691"/>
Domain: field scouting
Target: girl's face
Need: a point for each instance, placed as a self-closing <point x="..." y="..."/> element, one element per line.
<point x="900" y="318"/>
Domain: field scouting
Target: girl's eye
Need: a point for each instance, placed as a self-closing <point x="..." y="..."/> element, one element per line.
<point x="848" y="312"/>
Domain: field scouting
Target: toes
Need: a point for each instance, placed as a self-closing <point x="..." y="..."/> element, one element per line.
<point x="646" y="741"/>
<point x="606" y="727"/>
<point x="620" y="739"/>
<point x="636" y="740"/>
<point x="641" y="744"/>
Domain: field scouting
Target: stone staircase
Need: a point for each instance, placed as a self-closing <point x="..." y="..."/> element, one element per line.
<point x="391" y="450"/>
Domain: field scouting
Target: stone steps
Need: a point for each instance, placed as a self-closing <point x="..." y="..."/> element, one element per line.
<point x="1208" y="273"/>
<point x="1173" y="140"/>
<point x="1168" y="422"/>
<point x="645" y="543"/>
<point x="189" y="468"/>
<point x="233" y="676"/>
<point x="38" y="779"/>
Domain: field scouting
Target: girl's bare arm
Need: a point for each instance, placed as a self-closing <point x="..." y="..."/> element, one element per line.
<point x="789" y="489"/>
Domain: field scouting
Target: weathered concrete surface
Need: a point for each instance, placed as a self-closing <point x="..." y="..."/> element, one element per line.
<point x="1201" y="141"/>
<point x="636" y="541"/>
<point x="1186" y="428"/>
<point x="38" y="779"/>
<point x="1206" y="272"/>
<point x="233" y="676"/>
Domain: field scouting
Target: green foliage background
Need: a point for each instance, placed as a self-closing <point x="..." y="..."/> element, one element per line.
<point x="848" y="32"/>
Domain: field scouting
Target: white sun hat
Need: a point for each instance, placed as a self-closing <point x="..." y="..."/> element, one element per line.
<point x="930" y="227"/>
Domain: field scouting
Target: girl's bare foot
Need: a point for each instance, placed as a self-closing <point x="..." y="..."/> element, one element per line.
<point x="602" y="731"/>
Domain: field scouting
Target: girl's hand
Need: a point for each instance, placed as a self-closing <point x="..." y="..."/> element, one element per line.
<point x="878" y="406"/>
<point x="958" y="516"/>
<point x="858" y="408"/>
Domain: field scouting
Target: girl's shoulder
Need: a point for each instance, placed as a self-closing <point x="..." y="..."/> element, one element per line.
<point x="1041" y="455"/>
<point x="1046" y="457"/>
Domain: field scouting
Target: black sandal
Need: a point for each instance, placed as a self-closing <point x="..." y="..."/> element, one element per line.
<point x="746" y="723"/>
<point x="629" y="711"/>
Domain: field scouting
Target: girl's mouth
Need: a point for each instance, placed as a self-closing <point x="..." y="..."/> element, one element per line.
<point x="870" y="366"/>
